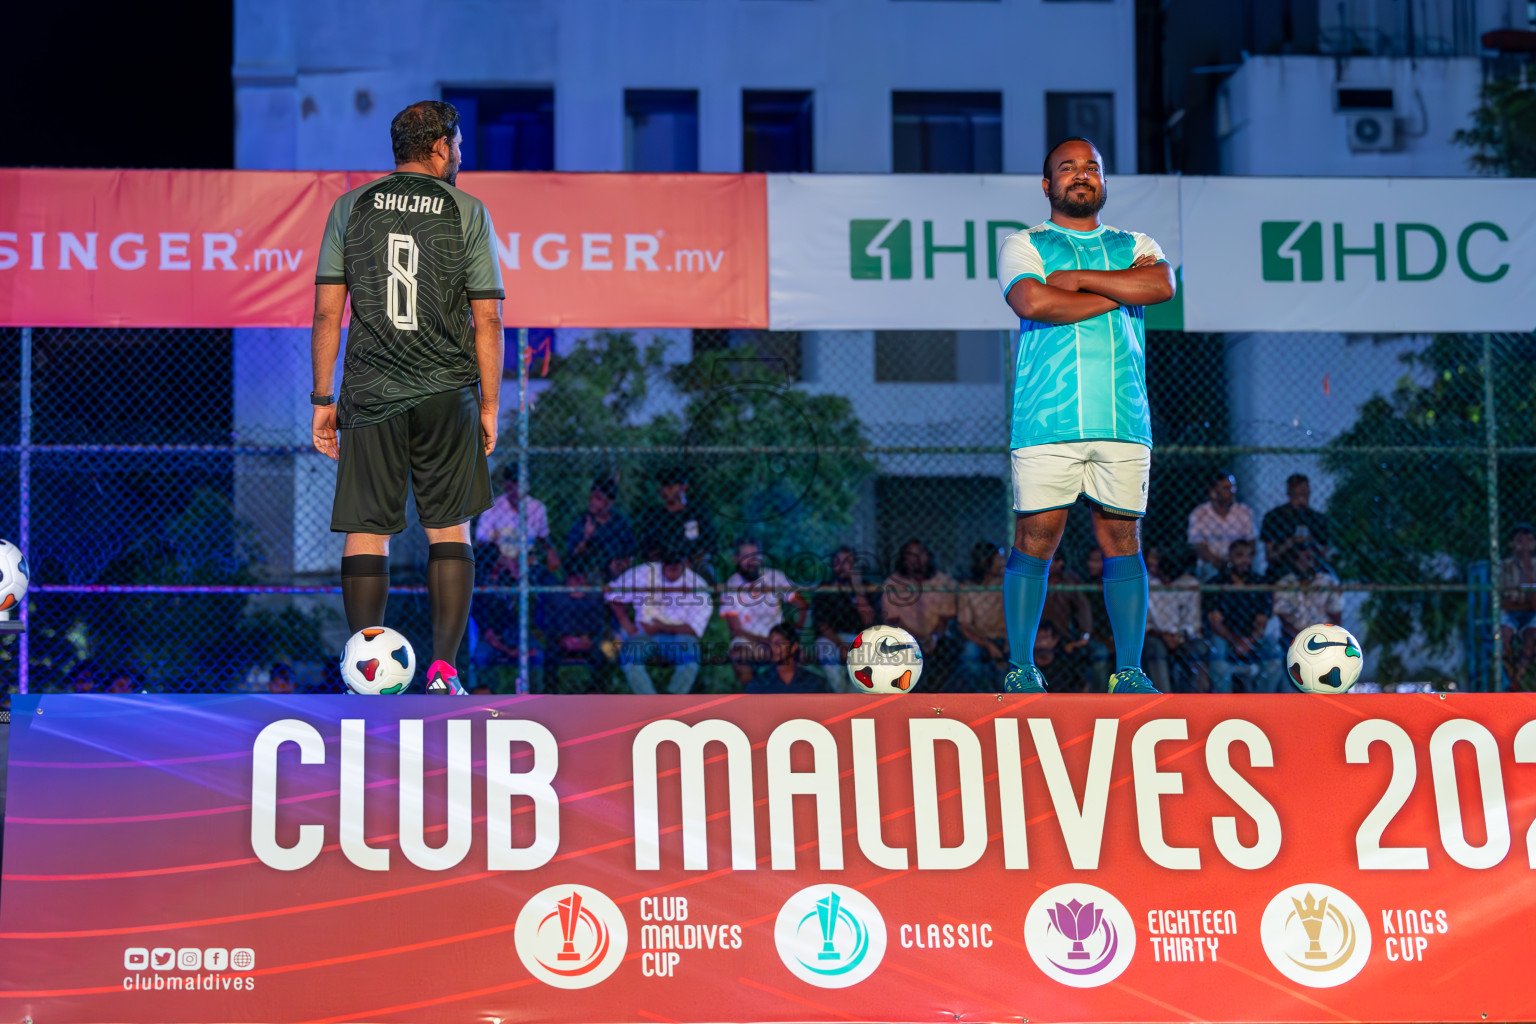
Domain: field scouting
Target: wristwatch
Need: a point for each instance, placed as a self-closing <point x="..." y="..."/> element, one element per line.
<point x="321" y="399"/>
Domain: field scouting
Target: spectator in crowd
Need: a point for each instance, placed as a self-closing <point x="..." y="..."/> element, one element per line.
<point x="784" y="673"/>
<point x="679" y="525"/>
<point x="602" y="536"/>
<point x="1214" y="525"/>
<point x="662" y="608"/>
<point x="1069" y="612"/>
<point x="1289" y="526"/>
<point x="1101" y="638"/>
<point x="280" y="679"/>
<point x="1238" y="621"/>
<point x="1175" y="650"/>
<point x="1517" y="600"/>
<point x="1061" y="675"/>
<point x="84" y="679"/>
<point x="123" y="682"/>
<point x="979" y="613"/>
<point x="839" y="616"/>
<point x="921" y="600"/>
<point x="574" y="623"/>
<point x="493" y="638"/>
<point x="499" y="534"/>
<point x="1313" y="595"/>
<point x="751" y="604"/>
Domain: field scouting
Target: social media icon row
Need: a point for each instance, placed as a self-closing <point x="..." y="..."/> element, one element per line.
<point x="188" y="958"/>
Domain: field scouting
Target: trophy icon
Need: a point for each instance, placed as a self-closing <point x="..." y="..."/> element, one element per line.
<point x="1312" y="914"/>
<point x="570" y="913"/>
<point x="826" y="916"/>
<point x="1077" y="922"/>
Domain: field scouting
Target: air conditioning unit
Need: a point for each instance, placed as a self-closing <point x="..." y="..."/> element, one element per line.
<point x="1371" y="133"/>
<point x="1369" y="124"/>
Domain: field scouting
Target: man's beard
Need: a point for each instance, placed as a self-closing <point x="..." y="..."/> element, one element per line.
<point x="451" y="172"/>
<point x="1062" y="202"/>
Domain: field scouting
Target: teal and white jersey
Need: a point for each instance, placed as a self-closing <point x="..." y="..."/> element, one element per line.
<point x="1084" y="381"/>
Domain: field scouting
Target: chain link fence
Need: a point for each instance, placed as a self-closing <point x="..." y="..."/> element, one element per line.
<point x="177" y="521"/>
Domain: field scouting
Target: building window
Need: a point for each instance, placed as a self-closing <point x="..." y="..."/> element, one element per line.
<point x="758" y="354"/>
<point x="1088" y="114"/>
<point x="939" y="357"/>
<point x="506" y="129"/>
<point x="947" y="132"/>
<point x="776" y="131"/>
<point x="661" y="130"/>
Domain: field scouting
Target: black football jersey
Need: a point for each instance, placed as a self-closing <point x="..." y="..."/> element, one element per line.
<point x="412" y="251"/>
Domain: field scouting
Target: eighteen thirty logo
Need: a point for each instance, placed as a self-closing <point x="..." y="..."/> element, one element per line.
<point x="1315" y="935"/>
<point x="830" y="936"/>
<point x="571" y="936"/>
<point x="1294" y="250"/>
<point x="1080" y="935"/>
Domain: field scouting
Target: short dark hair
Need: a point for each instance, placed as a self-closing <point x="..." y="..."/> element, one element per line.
<point x="672" y="475"/>
<point x="1522" y="528"/>
<point x="605" y="486"/>
<point x="1241" y="542"/>
<point x="416" y="129"/>
<point x="1216" y="477"/>
<point x="1045" y="165"/>
<point x="1294" y="479"/>
<point x="785" y="630"/>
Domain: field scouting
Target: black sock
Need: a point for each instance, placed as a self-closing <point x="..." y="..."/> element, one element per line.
<point x="450" y="584"/>
<point x="364" y="589"/>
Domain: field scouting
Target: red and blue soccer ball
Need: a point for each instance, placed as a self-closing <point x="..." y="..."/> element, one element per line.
<point x="378" y="660"/>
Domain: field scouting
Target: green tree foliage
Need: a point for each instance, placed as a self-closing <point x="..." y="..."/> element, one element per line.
<point x="1503" y="133"/>
<point x="1423" y="517"/>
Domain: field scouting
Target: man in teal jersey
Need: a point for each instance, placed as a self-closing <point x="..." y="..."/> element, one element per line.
<point x="1080" y="419"/>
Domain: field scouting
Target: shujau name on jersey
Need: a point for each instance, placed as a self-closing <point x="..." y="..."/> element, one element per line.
<point x="407" y="204"/>
<point x="522" y="760"/>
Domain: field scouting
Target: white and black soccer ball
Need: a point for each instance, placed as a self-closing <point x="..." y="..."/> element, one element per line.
<point x="14" y="577"/>
<point x="885" y="659"/>
<point x="378" y="660"/>
<point x="1323" y="659"/>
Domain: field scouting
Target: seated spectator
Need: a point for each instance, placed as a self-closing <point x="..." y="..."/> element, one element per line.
<point x="1175" y="649"/>
<point x="1299" y="608"/>
<point x="124" y="682"/>
<point x="1214" y="525"/>
<point x="1517" y="605"/>
<point x="839" y="616"/>
<point x="493" y="635"/>
<point x="678" y="525"/>
<point x="662" y="609"/>
<point x="280" y="679"/>
<point x="1289" y="526"/>
<point x="574" y="623"/>
<point x="979" y="613"/>
<point x="784" y="673"/>
<point x="1238" y="620"/>
<point x="1061" y="675"/>
<point x="602" y="536"/>
<point x="1101" y="638"/>
<point x="751" y="604"/>
<point x="84" y="679"/>
<point x="921" y="600"/>
<point x="1069" y="612"/>
<point x="499" y="533"/>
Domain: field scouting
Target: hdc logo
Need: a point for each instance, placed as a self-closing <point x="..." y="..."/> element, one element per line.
<point x="1294" y="250"/>
<point x="882" y="249"/>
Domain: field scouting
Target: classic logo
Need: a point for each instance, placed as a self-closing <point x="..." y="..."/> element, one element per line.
<point x="1080" y="935"/>
<point x="1293" y="250"/>
<point x="570" y="936"/>
<point x="1315" y="935"/>
<point x="830" y="936"/>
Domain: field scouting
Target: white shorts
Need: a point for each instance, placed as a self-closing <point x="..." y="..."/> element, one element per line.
<point x="1112" y="473"/>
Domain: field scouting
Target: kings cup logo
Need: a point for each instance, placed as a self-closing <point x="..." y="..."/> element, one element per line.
<point x="571" y="936"/>
<point x="1080" y="935"/>
<point x="830" y="936"/>
<point x="1315" y="935"/>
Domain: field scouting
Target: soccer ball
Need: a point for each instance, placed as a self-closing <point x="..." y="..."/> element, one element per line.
<point x="377" y="660"/>
<point x="885" y="659"/>
<point x="1323" y="659"/>
<point x="13" y="579"/>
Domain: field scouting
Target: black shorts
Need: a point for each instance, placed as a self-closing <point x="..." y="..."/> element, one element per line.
<point x="434" y="448"/>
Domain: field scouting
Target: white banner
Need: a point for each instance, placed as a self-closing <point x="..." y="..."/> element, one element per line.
<point x="919" y="252"/>
<point x="1359" y="254"/>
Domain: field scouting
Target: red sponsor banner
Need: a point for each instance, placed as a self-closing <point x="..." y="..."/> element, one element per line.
<point x="238" y="248"/>
<point x="914" y="858"/>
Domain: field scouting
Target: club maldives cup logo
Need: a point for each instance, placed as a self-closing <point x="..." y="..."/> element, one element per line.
<point x="1315" y="935"/>
<point x="571" y="936"/>
<point x="1080" y="935"/>
<point x="830" y="936"/>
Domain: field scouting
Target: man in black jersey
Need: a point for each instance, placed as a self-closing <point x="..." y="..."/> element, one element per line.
<point x="420" y="385"/>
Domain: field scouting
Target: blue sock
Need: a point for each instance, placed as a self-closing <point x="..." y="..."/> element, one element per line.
<point x="1125" y="597"/>
<point x="1023" y="601"/>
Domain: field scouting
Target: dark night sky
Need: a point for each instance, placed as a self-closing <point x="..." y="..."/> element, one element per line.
<point x="115" y="84"/>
